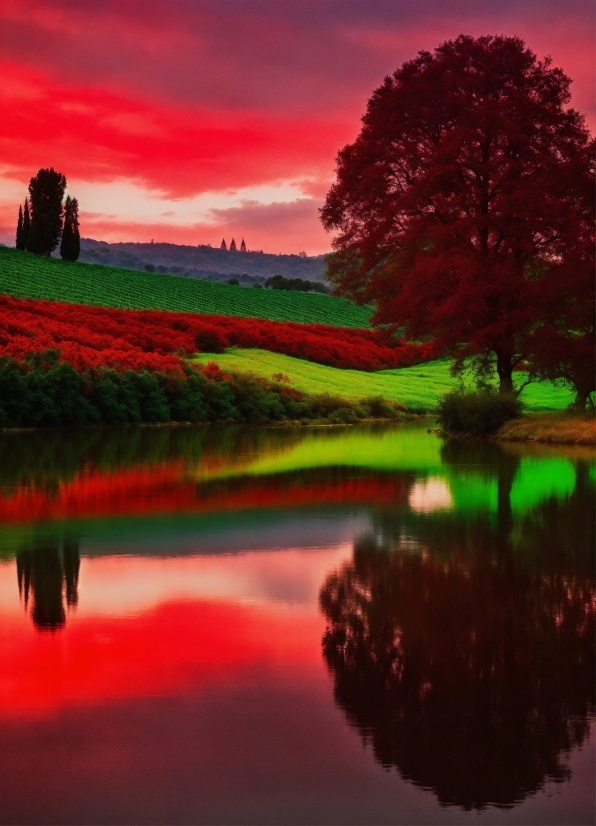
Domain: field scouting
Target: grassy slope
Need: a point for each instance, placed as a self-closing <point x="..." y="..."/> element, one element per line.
<point x="417" y="387"/>
<point x="25" y="275"/>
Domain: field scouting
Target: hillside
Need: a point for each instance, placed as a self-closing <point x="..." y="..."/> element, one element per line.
<point x="25" y="275"/>
<point x="202" y="262"/>
<point x="418" y="387"/>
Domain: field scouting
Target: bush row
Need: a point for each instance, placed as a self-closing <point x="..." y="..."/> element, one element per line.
<point x="44" y="392"/>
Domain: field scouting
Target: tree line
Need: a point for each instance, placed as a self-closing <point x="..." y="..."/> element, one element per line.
<point x="44" y="220"/>
<point x="42" y="391"/>
<point x="465" y="212"/>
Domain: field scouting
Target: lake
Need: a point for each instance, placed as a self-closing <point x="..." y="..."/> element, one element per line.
<point x="295" y="625"/>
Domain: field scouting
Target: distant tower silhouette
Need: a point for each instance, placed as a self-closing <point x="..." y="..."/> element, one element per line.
<point x="243" y="246"/>
<point x="233" y="245"/>
<point x="224" y="246"/>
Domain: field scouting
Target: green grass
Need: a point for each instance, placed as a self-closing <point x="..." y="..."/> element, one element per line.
<point x="25" y="275"/>
<point x="418" y="388"/>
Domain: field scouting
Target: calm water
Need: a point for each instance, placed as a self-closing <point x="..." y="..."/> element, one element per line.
<point x="295" y="626"/>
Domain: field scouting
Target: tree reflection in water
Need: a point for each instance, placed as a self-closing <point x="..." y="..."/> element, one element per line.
<point x="469" y="665"/>
<point x="48" y="576"/>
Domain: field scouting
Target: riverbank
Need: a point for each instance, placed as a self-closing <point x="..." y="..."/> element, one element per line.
<point x="556" y="428"/>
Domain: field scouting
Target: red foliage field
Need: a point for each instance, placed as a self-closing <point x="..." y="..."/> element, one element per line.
<point x="92" y="337"/>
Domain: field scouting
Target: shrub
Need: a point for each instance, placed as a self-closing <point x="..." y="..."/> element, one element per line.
<point x="476" y="413"/>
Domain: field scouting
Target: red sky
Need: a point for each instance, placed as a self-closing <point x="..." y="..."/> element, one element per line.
<point x="187" y="120"/>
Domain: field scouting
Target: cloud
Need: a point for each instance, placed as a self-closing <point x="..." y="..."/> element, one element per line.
<point x="287" y="227"/>
<point x="262" y="55"/>
<point x="94" y="135"/>
<point x="191" y="97"/>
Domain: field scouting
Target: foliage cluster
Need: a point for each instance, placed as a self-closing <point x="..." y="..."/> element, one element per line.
<point x="476" y="413"/>
<point x="70" y="245"/>
<point x="44" y="218"/>
<point x="465" y="211"/>
<point x="28" y="276"/>
<point x="278" y="282"/>
<point x="44" y="392"/>
<point x="153" y="340"/>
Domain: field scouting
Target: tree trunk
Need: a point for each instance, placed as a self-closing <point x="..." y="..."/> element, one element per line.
<point x="582" y="396"/>
<point x="504" y="371"/>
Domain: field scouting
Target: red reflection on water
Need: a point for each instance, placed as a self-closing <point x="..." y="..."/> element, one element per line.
<point x="173" y="648"/>
<point x="168" y="489"/>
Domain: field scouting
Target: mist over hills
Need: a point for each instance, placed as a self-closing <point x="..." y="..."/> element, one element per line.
<point x="202" y="262"/>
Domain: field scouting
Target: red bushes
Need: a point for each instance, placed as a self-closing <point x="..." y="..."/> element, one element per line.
<point x="155" y="340"/>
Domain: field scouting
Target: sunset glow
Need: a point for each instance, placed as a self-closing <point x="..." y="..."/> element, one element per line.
<point x="186" y="121"/>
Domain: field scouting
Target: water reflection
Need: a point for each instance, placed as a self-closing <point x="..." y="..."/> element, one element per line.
<point x="453" y="584"/>
<point x="462" y="649"/>
<point x="48" y="576"/>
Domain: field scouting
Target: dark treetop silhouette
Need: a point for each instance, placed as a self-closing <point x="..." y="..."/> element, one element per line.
<point x="49" y="574"/>
<point x="465" y="206"/>
<point x="70" y="246"/>
<point x="46" y="191"/>
<point x="469" y="666"/>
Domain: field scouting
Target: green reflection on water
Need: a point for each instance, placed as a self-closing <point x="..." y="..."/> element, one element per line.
<point x="475" y="476"/>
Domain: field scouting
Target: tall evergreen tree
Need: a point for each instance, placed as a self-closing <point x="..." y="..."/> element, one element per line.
<point x="26" y="224"/>
<point x="19" y="239"/>
<point x="70" y="247"/>
<point x="46" y="191"/>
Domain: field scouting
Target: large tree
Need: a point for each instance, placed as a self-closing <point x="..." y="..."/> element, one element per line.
<point x="460" y="196"/>
<point x="70" y="246"/>
<point x="46" y="191"/>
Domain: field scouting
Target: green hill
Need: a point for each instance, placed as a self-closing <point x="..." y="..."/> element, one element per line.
<point x="418" y="388"/>
<point x="25" y="275"/>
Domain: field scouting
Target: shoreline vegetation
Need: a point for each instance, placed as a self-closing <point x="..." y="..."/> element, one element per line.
<point x="45" y="392"/>
<point x="567" y="428"/>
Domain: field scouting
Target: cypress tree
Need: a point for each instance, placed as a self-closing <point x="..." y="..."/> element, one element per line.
<point x="46" y="191"/>
<point x="26" y="225"/>
<point x="19" y="239"/>
<point x="70" y="246"/>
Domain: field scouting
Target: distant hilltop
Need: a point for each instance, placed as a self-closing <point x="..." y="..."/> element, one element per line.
<point x="204" y="262"/>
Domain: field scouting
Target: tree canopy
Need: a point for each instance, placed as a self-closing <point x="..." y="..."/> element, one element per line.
<point x="466" y="201"/>
<point x="70" y="246"/>
<point x="46" y="191"/>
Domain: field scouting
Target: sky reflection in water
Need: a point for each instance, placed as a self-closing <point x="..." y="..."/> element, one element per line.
<point x="351" y="625"/>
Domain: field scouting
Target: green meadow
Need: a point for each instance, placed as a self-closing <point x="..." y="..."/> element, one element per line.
<point x="418" y="387"/>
